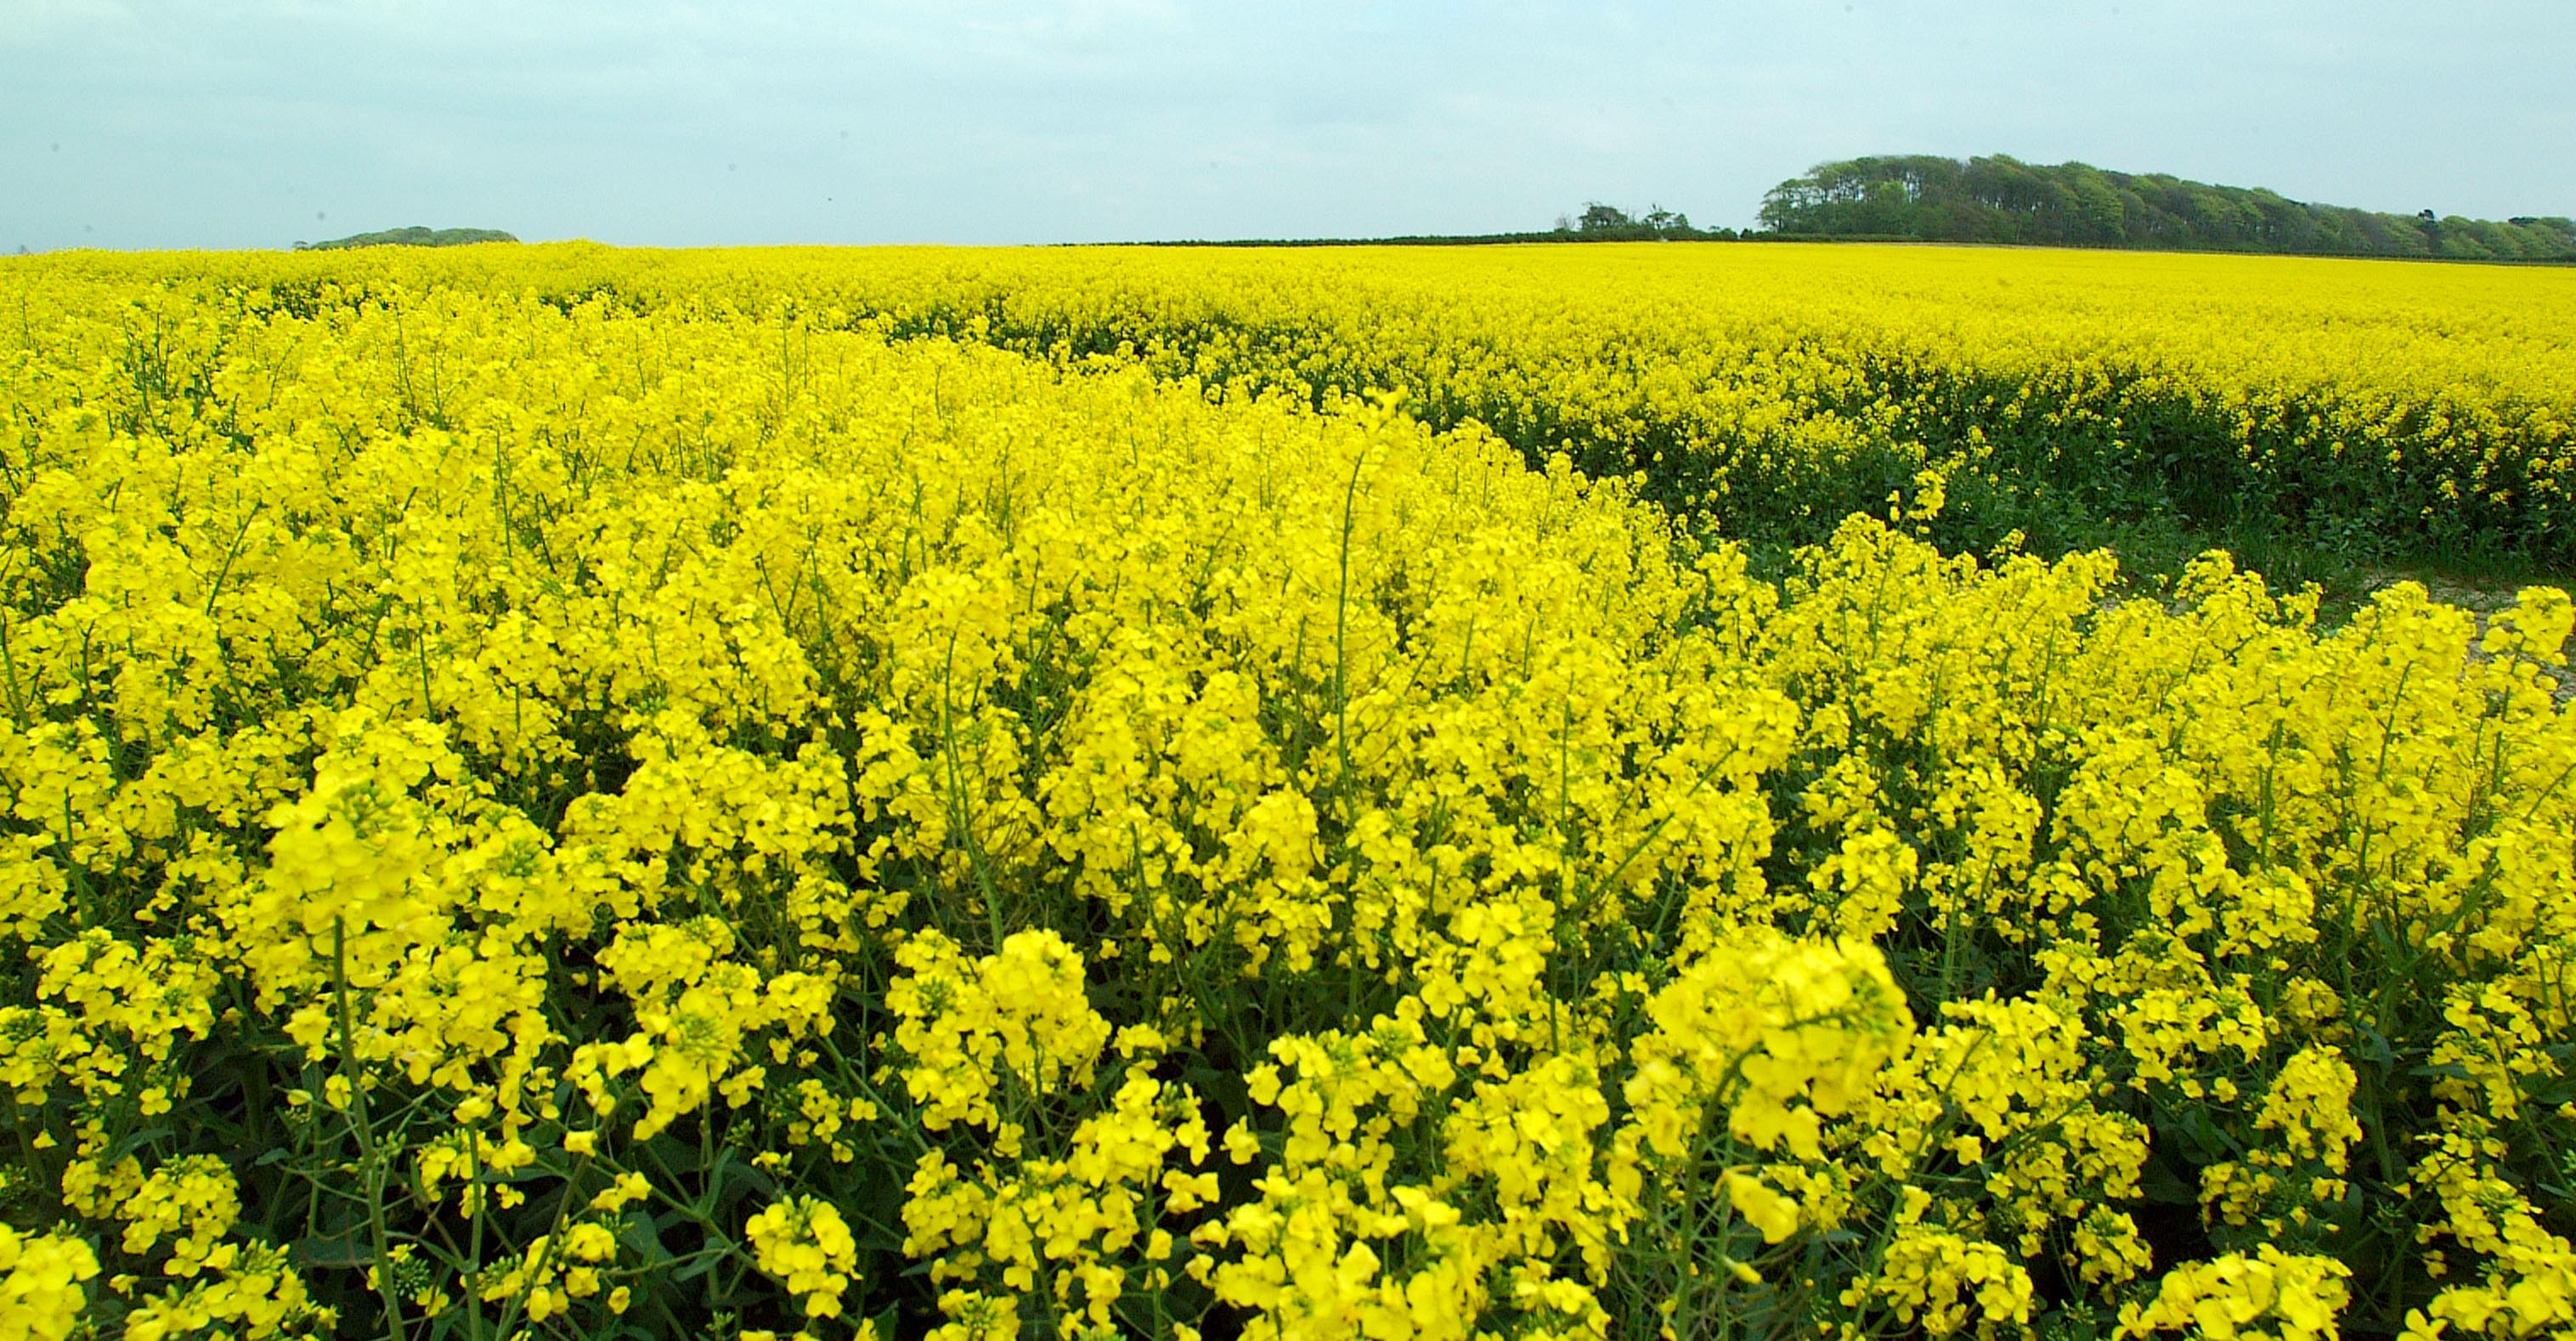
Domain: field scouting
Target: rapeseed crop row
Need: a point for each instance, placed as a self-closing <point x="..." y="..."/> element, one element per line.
<point x="2346" y="409"/>
<point x="677" y="811"/>
<point x="2325" y="415"/>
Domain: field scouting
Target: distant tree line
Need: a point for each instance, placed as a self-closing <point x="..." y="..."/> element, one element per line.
<point x="1597" y="223"/>
<point x="1608" y="223"/>
<point x="1923" y="197"/>
<point x="414" y="236"/>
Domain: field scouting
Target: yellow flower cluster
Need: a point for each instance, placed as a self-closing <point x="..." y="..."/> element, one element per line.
<point x="806" y="1244"/>
<point x="1932" y="1279"/>
<point x="42" y="1292"/>
<point x="560" y="792"/>
<point x="1019" y="1018"/>
<point x="2270" y="1296"/>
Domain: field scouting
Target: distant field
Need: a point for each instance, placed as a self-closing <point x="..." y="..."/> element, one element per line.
<point x="1533" y="792"/>
<point x="2307" y="414"/>
<point x="2312" y="414"/>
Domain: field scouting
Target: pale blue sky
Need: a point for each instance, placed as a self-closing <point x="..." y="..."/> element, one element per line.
<point x="255" y="123"/>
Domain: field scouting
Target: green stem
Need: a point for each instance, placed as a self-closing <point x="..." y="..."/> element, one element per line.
<point x="370" y="1157"/>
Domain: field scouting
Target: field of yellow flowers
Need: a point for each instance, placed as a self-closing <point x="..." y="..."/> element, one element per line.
<point x="563" y="792"/>
<point x="2290" y="407"/>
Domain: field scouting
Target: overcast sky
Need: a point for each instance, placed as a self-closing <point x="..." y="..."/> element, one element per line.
<point x="257" y="123"/>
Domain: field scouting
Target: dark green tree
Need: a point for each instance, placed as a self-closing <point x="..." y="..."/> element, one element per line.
<point x="1999" y="198"/>
<point x="1597" y="217"/>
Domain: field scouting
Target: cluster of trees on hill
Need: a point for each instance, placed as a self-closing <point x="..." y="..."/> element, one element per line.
<point x="414" y="236"/>
<point x="1608" y="223"/>
<point x="1597" y="223"/>
<point x="1927" y="198"/>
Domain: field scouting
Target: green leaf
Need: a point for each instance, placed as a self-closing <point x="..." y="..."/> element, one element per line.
<point x="337" y="1250"/>
<point x="643" y="1237"/>
<point x="698" y="1264"/>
